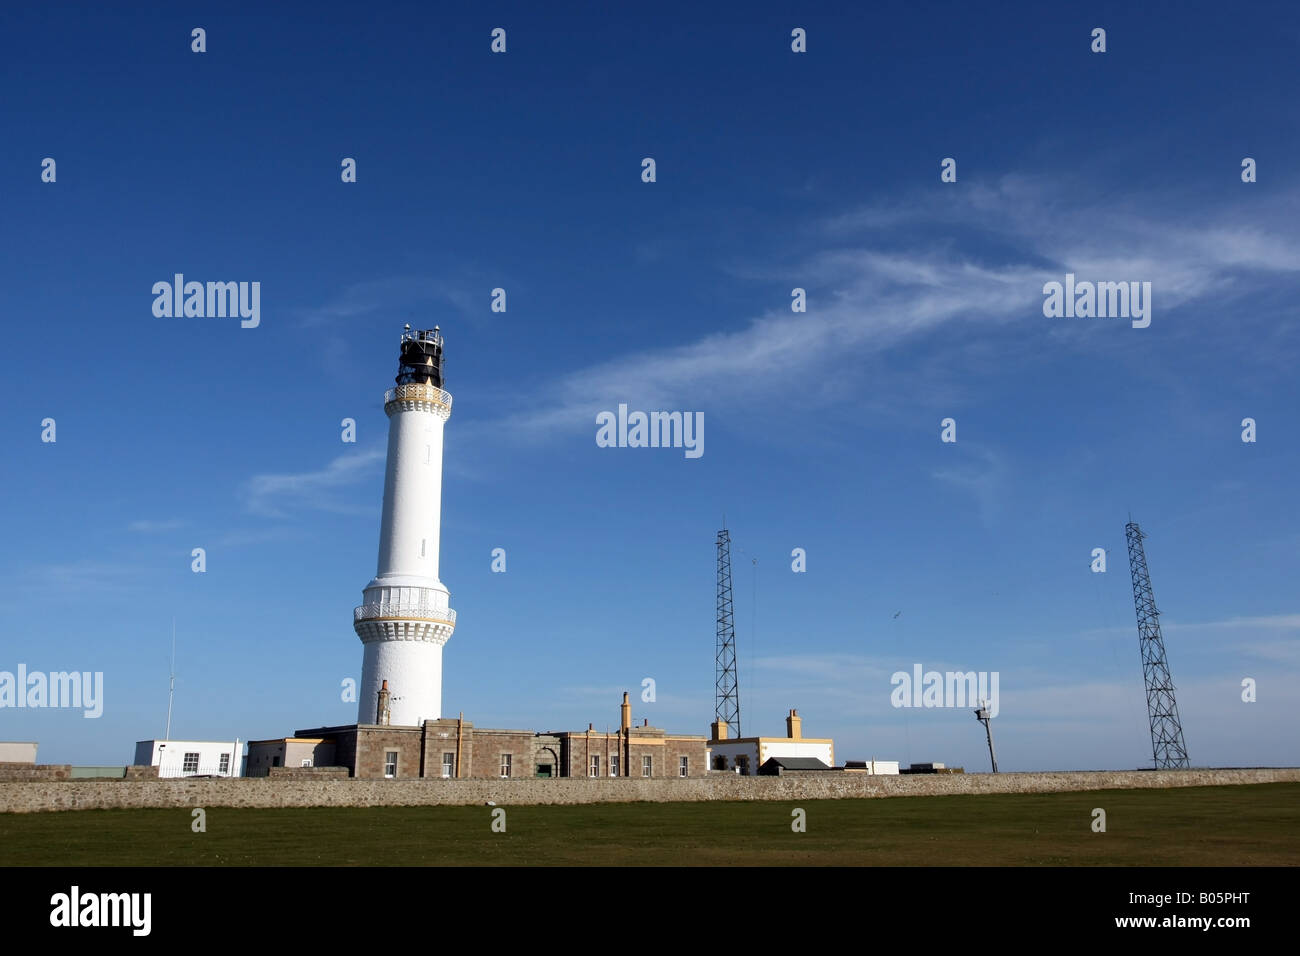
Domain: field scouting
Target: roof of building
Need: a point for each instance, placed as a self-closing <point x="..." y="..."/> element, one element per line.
<point x="288" y="740"/>
<point x="796" y="763"/>
<point x="172" y="740"/>
<point x="772" y="740"/>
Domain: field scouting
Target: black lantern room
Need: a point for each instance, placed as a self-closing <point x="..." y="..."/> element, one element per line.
<point x="421" y="360"/>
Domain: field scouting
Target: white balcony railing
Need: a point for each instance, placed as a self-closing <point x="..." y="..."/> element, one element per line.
<point x="404" y="612"/>
<point x="416" y="392"/>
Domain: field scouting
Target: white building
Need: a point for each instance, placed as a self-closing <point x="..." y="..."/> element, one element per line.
<point x="17" y="752"/>
<point x="189" y="758"/>
<point x="745" y="755"/>
<point x="406" y="616"/>
<point x="872" y="766"/>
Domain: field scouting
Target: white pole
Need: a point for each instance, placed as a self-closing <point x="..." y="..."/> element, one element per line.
<point x="171" y="684"/>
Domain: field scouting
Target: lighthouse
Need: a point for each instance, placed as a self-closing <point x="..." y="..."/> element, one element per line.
<point x="406" y="614"/>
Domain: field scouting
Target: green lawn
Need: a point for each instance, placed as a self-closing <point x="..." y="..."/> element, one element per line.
<point x="1201" y="826"/>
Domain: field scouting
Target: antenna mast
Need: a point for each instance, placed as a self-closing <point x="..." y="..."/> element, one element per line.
<point x="982" y="715"/>
<point x="1167" y="745"/>
<point x="171" y="685"/>
<point x="728" y="688"/>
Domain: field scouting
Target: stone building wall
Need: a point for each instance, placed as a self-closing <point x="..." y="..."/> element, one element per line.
<point x="441" y="738"/>
<point x="374" y="743"/>
<point x="489" y="747"/>
<point x="665" y="753"/>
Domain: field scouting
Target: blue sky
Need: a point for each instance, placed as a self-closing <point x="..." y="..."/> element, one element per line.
<point x="775" y="170"/>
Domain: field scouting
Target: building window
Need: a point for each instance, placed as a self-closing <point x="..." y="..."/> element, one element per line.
<point x="390" y="763"/>
<point x="742" y="765"/>
<point x="719" y="762"/>
<point x="505" y="765"/>
<point x="647" y="765"/>
<point x="595" y="766"/>
<point x="275" y="760"/>
<point x="614" y="766"/>
<point x="225" y="764"/>
<point x="683" y="767"/>
<point x="306" y="762"/>
<point x="448" y="765"/>
<point x="191" y="764"/>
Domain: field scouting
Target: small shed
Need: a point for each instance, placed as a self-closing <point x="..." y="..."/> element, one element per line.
<point x="779" y="766"/>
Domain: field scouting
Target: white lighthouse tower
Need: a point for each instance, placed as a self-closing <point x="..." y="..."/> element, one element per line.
<point x="406" y="615"/>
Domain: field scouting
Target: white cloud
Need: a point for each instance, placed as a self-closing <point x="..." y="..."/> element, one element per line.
<point x="1281" y="652"/>
<point x="878" y="300"/>
<point x="1288" y="622"/>
<point x="154" y="527"/>
<point x="864" y="301"/>
<point x="276" y="495"/>
<point x="75" y="577"/>
<point x="393" y="294"/>
<point x="1047" y="720"/>
<point x="981" y="473"/>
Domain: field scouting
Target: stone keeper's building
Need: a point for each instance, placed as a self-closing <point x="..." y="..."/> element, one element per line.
<point x="455" y="748"/>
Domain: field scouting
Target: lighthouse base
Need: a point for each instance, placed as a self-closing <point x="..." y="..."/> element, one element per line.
<point x="413" y="670"/>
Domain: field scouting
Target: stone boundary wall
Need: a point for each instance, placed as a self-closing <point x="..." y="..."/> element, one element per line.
<point x="35" y="771"/>
<point x="267" y="792"/>
<point x="310" y="773"/>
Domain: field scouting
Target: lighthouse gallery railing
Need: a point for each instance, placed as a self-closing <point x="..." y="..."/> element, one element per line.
<point x="414" y="612"/>
<point x="415" y="391"/>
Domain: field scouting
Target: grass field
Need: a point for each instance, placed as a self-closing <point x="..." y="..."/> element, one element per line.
<point x="1196" y="826"/>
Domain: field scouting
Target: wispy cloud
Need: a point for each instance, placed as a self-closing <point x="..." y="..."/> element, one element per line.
<point x="84" y="576"/>
<point x="982" y="474"/>
<point x="917" y="265"/>
<point x="871" y="302"/>
<point x="1289" y="622"/>
<point x="396" y="295"/>
<point x="243" y="537"/>
<point x="1280" y="652"/>
<point x="421" y="301"/>
<point x="1094" y="723"/>
<point x="276" y="495"/>
<point x="155" y="527"/>
<point x="1275" y="622"/>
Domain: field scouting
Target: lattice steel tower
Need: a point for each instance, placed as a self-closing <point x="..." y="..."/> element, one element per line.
<point x="728" y="688"/>
<point x="1167" y="745"/>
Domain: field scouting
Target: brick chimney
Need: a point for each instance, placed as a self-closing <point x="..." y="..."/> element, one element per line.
<point x="794" y="725"/>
